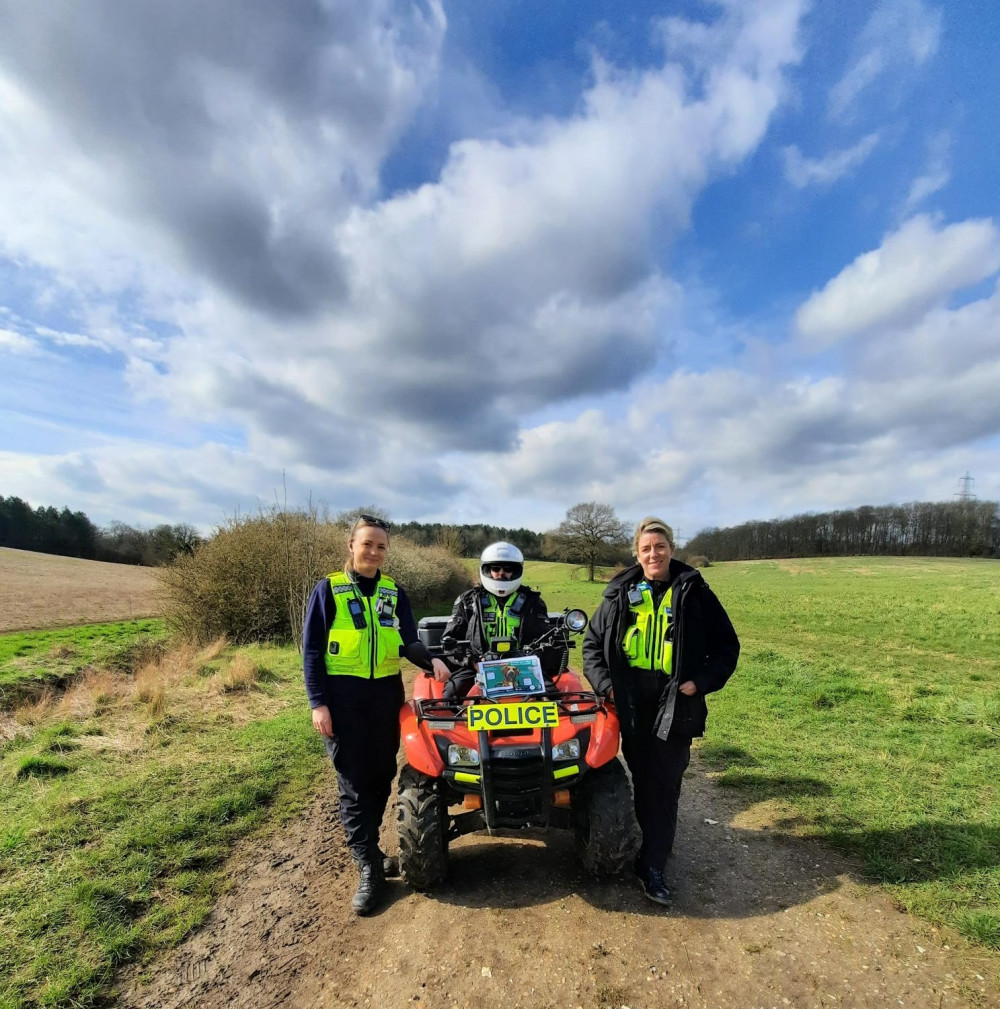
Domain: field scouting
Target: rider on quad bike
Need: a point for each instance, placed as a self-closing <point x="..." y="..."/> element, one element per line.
<point x="518" y="750"/>
<point x="501" y="607"/>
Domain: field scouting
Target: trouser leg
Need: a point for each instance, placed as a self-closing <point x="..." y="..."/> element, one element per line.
<point x="366" y="725"/>
<point x="657" y="768"/>
<point x="459" y="685"/>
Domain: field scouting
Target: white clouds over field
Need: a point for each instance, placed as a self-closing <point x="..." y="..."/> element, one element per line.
<point x="241" y="247"/>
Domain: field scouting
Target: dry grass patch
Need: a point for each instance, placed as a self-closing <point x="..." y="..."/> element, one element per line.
<point x="36" y="710"/>
<point x="242" y="673"/>
<point x="9" y="728"/>
<point x="150" y="689"/>
<point x="167" y="690"/>
<point x="91" y="694"/>
<point x="213" y="650"/>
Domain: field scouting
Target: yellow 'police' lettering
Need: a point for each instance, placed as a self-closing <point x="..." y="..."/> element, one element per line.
<point x="526" y="715"/>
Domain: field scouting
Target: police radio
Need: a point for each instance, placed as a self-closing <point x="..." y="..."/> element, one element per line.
<point x="357" y="612"/>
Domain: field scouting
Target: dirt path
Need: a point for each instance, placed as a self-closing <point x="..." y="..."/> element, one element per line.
<point x="758" y="921"/>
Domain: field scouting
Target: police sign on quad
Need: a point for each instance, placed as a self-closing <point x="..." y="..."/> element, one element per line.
<point x="527" y="715"/>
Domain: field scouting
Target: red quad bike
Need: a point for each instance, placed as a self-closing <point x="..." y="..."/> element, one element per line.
<point x="516" y="753"/>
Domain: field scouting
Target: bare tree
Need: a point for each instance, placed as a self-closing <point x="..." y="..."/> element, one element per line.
<point x="450" y="537"/>
<point x="590" y="534"/>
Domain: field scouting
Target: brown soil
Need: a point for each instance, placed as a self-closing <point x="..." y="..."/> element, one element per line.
<point x="759" y="920"/>
<point x="42" y="590"/>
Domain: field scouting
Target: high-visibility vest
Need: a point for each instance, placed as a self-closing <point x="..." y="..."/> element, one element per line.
<point x="501" y="617"/>
<point x="648" y="639"/>
<point x="364" y="637"/>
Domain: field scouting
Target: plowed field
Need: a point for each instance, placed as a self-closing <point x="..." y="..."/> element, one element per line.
<point x="42" y="590"/>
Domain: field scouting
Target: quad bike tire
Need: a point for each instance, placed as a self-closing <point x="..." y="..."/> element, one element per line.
<point x="421" y="824"/>
<point x="607" y="835"/>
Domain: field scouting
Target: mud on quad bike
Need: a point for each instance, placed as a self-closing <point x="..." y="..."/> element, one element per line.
<point x="516" y="753"/>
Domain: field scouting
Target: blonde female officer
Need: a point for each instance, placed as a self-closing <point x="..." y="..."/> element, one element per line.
<point x="658" y="643"/>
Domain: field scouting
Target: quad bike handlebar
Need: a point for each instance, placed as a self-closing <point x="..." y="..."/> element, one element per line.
<point x="570" y="621"/>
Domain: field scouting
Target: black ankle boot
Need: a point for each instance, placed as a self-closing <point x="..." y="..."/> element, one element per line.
<point x="369" y="889"/>
<point x="654" y="886"/>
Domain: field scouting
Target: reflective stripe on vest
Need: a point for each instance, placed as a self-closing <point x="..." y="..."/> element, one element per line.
<point x="352" y="649"/>
<point x="648" y="640"/>
<point x="501" y="617"/>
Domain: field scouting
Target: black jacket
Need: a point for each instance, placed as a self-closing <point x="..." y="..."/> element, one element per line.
<point x="705" y="650"/>
<point x="466" y="624"/>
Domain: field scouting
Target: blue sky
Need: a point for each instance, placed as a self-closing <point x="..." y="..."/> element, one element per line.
<point x="480" y="262"/>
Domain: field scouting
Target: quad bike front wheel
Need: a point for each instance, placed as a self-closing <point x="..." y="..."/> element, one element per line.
<point x="422" y="826"/>
<point x="607" y="835"/>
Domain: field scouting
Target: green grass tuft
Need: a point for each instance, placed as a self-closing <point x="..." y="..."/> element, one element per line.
<point x="42" y="767"/>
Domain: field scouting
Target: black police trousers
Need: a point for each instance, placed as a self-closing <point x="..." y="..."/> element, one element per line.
<point x="365" y="715"/>
<point x="657" y="767"/>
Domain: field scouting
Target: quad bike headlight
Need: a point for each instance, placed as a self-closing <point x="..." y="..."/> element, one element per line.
<point x="567" y="750"/>
<point x="463" y="756"/>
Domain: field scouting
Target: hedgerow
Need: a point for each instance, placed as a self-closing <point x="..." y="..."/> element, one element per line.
<point x="251" y="580"/>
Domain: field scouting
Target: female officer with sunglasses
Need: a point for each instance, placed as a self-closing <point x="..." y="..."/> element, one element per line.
<point x="501" y="607"/>
<point x="358" y="624"/>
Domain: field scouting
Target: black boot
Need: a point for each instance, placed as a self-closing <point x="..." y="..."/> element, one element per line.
<point x="369" y="889"/>
<point x="653" y="885"/>
<point x="390" y="865"/>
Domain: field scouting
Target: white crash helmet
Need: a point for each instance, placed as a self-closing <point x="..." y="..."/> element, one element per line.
<point x="512" y="558"/>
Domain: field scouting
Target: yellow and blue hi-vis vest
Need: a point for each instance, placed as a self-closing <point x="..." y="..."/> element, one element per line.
<point x="364" y="637"/>
<point x="648" y="639"/>
<point x="501" y="617"/>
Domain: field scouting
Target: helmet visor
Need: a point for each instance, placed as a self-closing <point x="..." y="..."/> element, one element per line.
<point x="503" y="570"/>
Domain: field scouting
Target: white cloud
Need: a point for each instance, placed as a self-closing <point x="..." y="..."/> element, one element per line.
<point x="523" y="276"/>
<point x="801" y="171"/>
<point x="937" y="174"/>
<point x="906" y="416"/>
<point x="523" y="279"/>
<point x="16" y="343"/>
<point x="164" y="151"/>
<point x="899" y="34"/>
<point x="914" y="269"/>
<point x="62" y="339"/>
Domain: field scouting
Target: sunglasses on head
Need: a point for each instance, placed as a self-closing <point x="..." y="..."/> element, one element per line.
<point x="371" y="520"/>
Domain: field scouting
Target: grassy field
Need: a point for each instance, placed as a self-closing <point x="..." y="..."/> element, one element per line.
<point x="33" y="661"/>
<point x="865" y="712"/>
<point x="42" y="590"/>
<point x="121" y="798"/>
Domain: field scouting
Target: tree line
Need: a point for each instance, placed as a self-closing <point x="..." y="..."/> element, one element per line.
<point x="469" y="540"/>
<point x="68" y="533"/>
<point x="590" y="535"/>
<point x="923" y="528"/>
